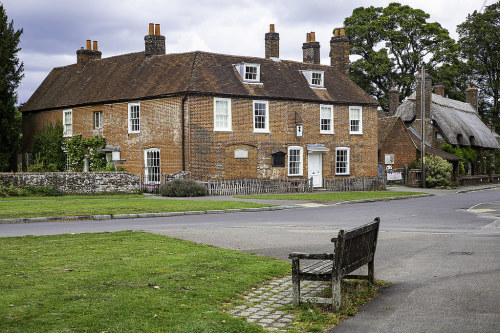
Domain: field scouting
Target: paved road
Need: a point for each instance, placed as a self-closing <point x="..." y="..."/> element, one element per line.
<point x="441" y="256"/>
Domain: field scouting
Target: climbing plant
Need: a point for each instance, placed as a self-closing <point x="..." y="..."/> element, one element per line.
<point x="77" y="147"/>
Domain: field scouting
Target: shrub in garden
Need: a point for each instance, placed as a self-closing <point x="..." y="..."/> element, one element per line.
<point x="183" y="188"/>
<point x="47" y="149"/>
<point x="437" y="171"/>
<point x="28" y="191"/>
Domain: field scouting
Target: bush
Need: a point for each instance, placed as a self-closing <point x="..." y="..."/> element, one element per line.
<point x="47" y="148"/>
<point x="183" y="188"/>
<point x="437" y="171"/>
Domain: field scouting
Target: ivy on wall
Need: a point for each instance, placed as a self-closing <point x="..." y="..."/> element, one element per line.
<point x="77" y="147"/>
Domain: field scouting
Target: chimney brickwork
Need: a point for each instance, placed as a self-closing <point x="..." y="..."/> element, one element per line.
<point x="471" y="97"/>
<point x="154" y="42"/>
<point x="272" y="43"/>
<point x="429" y="128"/>
<point x="339" y="51"/>
<point x="439" y="89"/>
<point x="393" y="101"/>
<point x="84" y="56"/>
<point x="310" y="49"/>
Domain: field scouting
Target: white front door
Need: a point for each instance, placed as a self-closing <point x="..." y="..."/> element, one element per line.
<point x="315" y="168"/>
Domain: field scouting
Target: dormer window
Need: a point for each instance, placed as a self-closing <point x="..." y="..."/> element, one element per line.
<point x="249" y="72"/>
<point x="314" y="78"/>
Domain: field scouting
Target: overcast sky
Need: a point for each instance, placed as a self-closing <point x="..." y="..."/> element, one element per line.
<point x="55" y="29"/>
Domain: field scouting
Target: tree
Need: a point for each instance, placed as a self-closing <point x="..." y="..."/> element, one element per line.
<point x="479" y="41"/>
<point x="393" y="42"/>
<point x="47" y="147"/>
<point x="11" y="73"/>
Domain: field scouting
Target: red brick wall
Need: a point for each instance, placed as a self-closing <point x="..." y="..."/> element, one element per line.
<point x="210" y="154"/>
<point x="399" y="143"/>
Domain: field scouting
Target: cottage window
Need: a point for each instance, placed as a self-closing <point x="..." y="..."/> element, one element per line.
<point x="97" y="119"/>
<point x="152" y="168"/>
<point x="261" y="116"/>
<point x="68" y="123"/>
<point x="222" y="114"/>
<point x="355" y="120"/>
<point x="252" y="72"/>
<point x="295" y="161"/>
<point x="314" y="78"/>
<point x="134" y="117"/>
<point x="326" y="119"/>
<point x="342" y="161"/>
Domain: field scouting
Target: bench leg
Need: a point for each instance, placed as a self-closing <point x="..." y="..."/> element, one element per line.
<point x="371" y="272"/>
<point x="336" y="296"/>
<point x="295" y="282"/>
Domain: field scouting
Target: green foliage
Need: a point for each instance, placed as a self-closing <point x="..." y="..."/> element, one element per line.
<point x="485" y="162"/>
<point x="392" y="43"/>
<point x="28" y="191"/>
<point x="77" y="147"/>
<point x="497" y="161"/>
<point x="479" y="45"/>
<point x="47" y="149"/>
<point x="467" y="154"/>
<point x="437" y="172"/>
<point x="183" y="188"/>
<point x="11" y="73"/>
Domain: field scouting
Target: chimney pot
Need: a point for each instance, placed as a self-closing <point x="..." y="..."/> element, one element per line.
<point x="271" y="28"/>
<point x="151" y="29"/>
<point x="95" y="46"/>
<point x="313" y="36"/>
<point x="88" y="44"/>
<point x="157" y="29"/>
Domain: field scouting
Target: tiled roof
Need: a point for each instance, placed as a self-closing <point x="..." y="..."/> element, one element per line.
<point x="135" y="76"/>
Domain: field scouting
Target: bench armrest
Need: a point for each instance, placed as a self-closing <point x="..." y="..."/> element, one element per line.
<point x="317" y="256"/>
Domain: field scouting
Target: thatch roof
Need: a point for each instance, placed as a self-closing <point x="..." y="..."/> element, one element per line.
<point x="456" y="120"/>
<point x="429" y="150"/>
<point x="136" y="76"/>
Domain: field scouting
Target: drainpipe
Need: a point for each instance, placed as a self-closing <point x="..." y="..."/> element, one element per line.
<point x="183" y="133"/>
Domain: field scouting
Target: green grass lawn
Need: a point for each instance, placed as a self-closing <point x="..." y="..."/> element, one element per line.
<point x="104" y="205"/>
<point x="333" y="196"/>
<point x="124" y="281"/>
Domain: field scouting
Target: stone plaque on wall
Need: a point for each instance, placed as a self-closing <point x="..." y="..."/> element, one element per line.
<point x="240" y="153"/>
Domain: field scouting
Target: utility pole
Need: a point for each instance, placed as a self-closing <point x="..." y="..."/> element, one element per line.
<point x="422" y="117"/>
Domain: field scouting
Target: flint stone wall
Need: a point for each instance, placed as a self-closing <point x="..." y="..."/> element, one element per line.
<point x="76" y="182"/>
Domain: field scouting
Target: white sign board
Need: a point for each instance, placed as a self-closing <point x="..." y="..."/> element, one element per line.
<point x="394" y="176"/>
<point x="389" y="158"/>
<point x="241" y="153"/>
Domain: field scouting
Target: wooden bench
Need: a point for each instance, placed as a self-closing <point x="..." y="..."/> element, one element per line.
<point x="352" y="249"/>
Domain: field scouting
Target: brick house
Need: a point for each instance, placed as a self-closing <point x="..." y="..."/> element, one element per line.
<point x="214" y="115"/>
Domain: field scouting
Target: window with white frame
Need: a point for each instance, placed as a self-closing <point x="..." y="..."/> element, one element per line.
<point x="295" y="159"/>
<point x="222" y="114"/>
<point x="97" y="119"/>
<point x="326" y="119"/>
<point x="252" y="72"/>
<point x="68" y="123"/>
<point x="355" y="120"/>
<point x="134" y="117"/>
<point x="314" y="78"/>
<point x="152" y="167"/>
<point x="342" y="161"/>
<point x="261" y="116"/>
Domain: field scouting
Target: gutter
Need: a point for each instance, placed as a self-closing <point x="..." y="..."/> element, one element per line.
<point x="183" y="136"/>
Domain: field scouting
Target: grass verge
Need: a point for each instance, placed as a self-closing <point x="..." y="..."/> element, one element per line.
<point x="124" y="281"/>
<point x="112" y="205"/>
<point x="333" y="196"/>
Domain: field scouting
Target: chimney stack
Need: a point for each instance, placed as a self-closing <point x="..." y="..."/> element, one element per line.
<point x="154" y="42"/>
<point x="84" y="56"/>
<point x="339" y="51"/>
<point x="471" y="97"/>
<point x="439" y="89"/>
<point x="310" y="49"/>
<point x="427" y="96"/>
<point x="272" y="43"/>
<point x="393" y="101"/>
